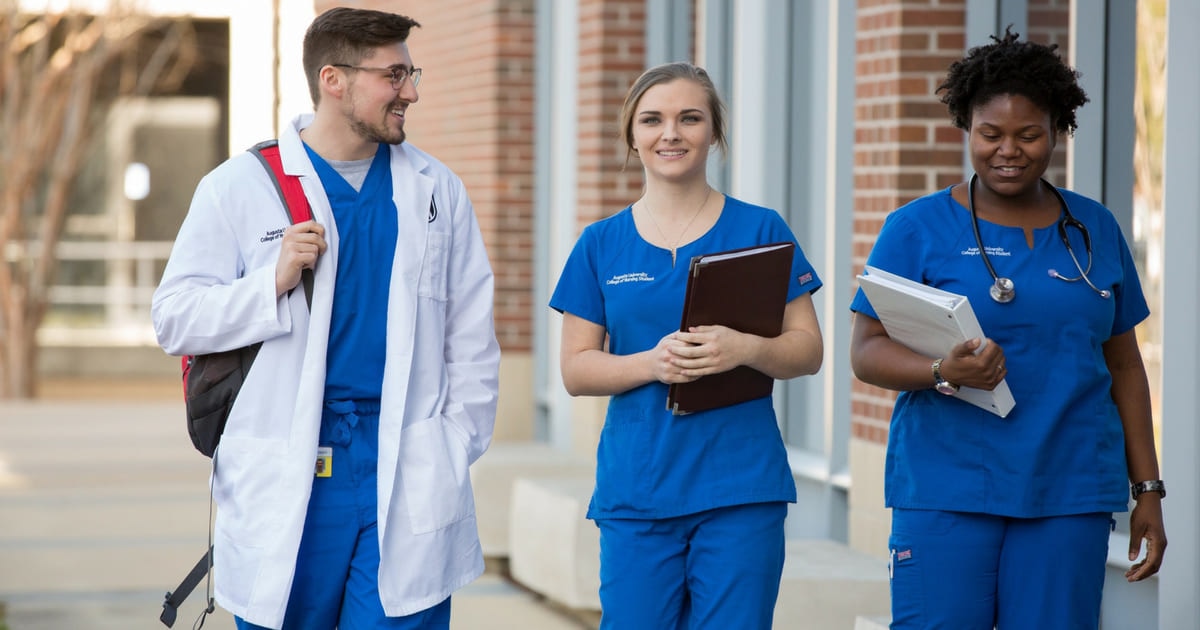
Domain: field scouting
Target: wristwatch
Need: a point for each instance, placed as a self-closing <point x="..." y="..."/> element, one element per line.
<point x="1142" y="487"/>
<point x="942" y="385"/>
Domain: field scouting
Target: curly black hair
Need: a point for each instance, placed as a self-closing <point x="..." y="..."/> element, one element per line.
<point x="1007" y="66"/>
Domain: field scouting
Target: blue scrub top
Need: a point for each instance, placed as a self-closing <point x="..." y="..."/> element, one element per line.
<point x="1061" y="450"/>
<point x="651" y="464"/>
<point x="367" y="229"/>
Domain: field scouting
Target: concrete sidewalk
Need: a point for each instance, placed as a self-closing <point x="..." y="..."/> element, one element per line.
<point x="103" y="508"/>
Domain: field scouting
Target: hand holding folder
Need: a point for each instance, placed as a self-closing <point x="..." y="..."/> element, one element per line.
<point x="931" y="321"/>
<point x="743" y="289"/>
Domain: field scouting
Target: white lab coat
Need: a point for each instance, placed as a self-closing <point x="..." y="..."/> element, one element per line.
<point x="440" y="380"/>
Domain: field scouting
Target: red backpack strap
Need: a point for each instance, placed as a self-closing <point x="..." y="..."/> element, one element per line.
<point x="288" y="186"/>
<point x="291" y="193"/>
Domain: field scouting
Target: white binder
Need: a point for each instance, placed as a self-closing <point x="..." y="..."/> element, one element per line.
<point x="931" y="321"/>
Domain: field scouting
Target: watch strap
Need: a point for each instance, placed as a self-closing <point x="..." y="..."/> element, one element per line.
<point x="1142" y="487"/>
<point x="939" y="383"/>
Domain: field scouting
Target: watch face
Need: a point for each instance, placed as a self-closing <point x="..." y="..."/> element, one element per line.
<point x="947" y="388"/>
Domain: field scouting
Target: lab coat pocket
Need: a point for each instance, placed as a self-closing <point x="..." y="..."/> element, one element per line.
<point x="240" y="567"/>
<point x="433" y="282"/>
<point x="246" y="489"/>
<point x="434" y="465"/>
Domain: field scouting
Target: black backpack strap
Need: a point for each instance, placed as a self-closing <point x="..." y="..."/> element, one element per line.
<point x="174" y="599"/>
<point x="290" y="193"/>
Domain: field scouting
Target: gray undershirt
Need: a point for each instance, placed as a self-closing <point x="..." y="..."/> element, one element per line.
<point x="353" y="171"/>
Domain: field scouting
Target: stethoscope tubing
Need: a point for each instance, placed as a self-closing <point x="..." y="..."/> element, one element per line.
<point x="1003" y="290"/>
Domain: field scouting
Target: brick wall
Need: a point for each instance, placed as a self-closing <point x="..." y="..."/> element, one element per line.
<point x="476" y="114"/>
<point x="611" y="56"/>
<point x="905" y="145"/>
<point x="1049" y="23"/>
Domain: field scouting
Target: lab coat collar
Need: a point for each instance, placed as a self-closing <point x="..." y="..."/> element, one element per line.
<point x="295" y="159"/>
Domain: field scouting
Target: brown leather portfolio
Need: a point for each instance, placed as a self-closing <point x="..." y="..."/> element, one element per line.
<point x="743" y="289"/>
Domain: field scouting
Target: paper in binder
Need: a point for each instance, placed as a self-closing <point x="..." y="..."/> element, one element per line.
<point x="930" y="321"/>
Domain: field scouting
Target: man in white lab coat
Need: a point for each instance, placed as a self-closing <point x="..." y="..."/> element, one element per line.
<point x="386" y="389"/>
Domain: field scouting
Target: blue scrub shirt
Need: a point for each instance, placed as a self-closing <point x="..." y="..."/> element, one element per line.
<point x="367" y="229"/>
<point x="651" y="464"/>
<point x="1061" y="450"/>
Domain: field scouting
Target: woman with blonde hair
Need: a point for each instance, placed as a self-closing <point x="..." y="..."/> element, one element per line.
<point x="690" y="508"/>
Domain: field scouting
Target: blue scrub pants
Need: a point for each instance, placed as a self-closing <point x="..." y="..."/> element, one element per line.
<point x="964" y="571"/>
<point x="718" y="569"/>
<point x="337" y="571"/>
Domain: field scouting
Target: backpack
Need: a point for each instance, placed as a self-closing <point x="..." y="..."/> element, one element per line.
<point x="211" y="382"/>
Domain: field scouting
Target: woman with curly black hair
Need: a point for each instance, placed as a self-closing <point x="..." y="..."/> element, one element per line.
<point x="1003" y="522"/>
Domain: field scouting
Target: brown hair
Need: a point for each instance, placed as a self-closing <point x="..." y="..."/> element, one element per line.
<point x="345" y="35"/>
<point x="666" y="73"/>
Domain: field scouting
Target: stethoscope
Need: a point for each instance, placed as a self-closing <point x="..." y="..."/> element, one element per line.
<point x="1002" y="289"/>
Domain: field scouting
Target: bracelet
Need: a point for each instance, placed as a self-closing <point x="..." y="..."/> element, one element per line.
<point x="1142" y="487"/>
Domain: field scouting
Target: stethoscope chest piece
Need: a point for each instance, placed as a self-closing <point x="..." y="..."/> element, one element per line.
<point x="1002" y="290"/>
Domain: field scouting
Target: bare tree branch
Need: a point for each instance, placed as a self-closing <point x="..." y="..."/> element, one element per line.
<point x="59" y="71"/>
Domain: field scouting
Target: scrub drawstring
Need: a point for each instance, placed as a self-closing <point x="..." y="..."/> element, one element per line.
<point x="346" y="413"/>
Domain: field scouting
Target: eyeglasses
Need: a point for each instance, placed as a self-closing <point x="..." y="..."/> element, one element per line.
<point x="397" y="74"/>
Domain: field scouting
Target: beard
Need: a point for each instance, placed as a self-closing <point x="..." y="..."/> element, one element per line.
<point x="378" y="133"/>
